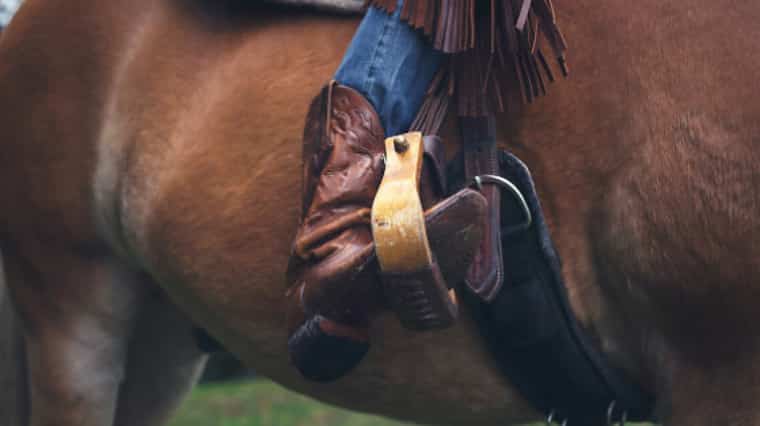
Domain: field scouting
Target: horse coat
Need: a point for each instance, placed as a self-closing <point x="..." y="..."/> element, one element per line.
<point x="165" y="121"/>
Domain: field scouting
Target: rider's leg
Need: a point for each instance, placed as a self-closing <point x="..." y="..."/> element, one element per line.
<point x="380" y="85"/>
<point x="392" y="65"/>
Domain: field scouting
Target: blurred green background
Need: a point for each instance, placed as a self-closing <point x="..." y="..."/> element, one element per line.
<point x="233" y="396"/>
<point x="260" y="402"/>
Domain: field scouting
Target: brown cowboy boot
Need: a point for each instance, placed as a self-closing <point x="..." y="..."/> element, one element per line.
<point x="333" y="273"/>
<point x="343" y="166"/>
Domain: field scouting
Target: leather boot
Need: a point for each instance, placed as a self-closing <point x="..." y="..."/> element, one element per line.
<point x="343" y="165"/>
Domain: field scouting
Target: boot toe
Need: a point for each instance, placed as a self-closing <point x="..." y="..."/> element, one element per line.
<point x="323" y="350"/>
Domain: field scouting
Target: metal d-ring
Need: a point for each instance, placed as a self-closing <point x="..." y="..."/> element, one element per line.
<point x="550" y="418"/>
<point x="512" y="189"/>
<point x="611" y="412"/>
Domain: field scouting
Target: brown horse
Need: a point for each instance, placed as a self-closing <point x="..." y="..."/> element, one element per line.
<point x="151" y="143"/>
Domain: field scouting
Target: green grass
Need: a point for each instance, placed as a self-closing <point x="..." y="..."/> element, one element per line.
<point x="263" y="403"/>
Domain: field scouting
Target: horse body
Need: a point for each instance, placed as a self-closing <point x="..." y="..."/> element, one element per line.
<point x="158" y="142"/>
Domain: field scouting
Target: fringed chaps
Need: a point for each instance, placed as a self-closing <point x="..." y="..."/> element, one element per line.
<point x="494" y="48"/>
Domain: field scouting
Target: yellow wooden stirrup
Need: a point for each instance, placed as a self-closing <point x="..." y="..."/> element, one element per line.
<point x="398" y="222"/>
<point x="413" y="282"/>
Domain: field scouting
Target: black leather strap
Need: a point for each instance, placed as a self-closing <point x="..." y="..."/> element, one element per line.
<point x="533" y="333"/>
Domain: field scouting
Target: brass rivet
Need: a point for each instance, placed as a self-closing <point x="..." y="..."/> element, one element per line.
<point x="400" y="144"/>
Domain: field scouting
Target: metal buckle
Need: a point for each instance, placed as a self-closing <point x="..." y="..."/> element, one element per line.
<point x="611" y="412"/>
<point x="510" y="187"/>
<point x="610" y="415"/>
<point x="550" y="420"/>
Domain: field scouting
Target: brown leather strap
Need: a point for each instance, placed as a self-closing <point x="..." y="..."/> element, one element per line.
<point x="486" y="274"/>
<point x="435" y="161"/>
<point x="433" y="179"/>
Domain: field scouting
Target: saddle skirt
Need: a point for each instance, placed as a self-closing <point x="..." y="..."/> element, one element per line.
<point x="341" y="6"/>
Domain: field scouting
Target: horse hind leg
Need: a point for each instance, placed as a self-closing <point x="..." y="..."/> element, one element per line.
<point x="76" y="311"/>
<point x="163" y="364"/>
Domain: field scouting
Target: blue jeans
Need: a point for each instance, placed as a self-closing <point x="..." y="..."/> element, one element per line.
<point x="392" y="65"/>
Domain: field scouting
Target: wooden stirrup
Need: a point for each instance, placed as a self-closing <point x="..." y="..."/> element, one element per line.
<point x="398" y="222"/>
<point x="413" y="282"/>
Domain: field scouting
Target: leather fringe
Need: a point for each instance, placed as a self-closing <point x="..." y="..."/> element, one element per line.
<point x="494" y="47"/>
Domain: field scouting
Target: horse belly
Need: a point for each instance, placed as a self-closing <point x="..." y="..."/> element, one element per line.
<point x="677" y="244"/>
